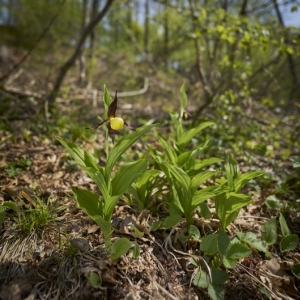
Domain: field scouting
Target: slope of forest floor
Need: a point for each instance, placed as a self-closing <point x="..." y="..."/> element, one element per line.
<point x="52" y="262"/>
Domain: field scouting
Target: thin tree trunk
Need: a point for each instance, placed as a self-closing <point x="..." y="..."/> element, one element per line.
<point x="292" y="64"/>
<point x="82" y="64"/>
<point x="70" y="62"/>
<point x="146" y="25"/>
<point x="207" y="88"/>
<point x="93" y="39"/>
<point x="166" y="31"/>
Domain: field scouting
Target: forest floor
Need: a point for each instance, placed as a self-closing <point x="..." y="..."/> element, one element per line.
<point x="52" y="262"/>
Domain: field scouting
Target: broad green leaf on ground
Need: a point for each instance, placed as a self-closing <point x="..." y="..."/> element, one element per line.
<point x="237" y="251"/>
<point x="289" y="242"/>
<point x="89" y="202"/>
<point x="11" y="205"/>
<point x="283" y="226"/>
<point x="269" y="231"/>
<point x="296" y="270"/>
<point x="80" y="156"/>
<point x="223" y="242"/>
<point x="296" y="161"/>
<point x="122" y="145"/>
<point x="94" y="279"/>
<point x="201" y="279"/>
<point x="219" y="276"/>
<point x="209" y="244"/>
<point x="136" y="250"/>
<point x="228" y="262"/>
<point x="119" y="248"/>
<point x="126" y="175"/>
<point x="272" y="202"/>
<point x="188" y="135"/>
<point x="216" y="292"/>
<point x="156" y="225"/>
<point x="2" y="214"/>
<point x="252" y="240"/>
<point x="170" y="221"/>
<point x="194" y="232"/>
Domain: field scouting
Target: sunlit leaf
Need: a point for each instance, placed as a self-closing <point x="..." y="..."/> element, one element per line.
<point x="136" y="250"/>
<point x="241" y="180"/>
<point x="283" y="226"/>
<point x="289" y="242"/>
<point x="237" y="251"/>
<point x="188" y="135"/>
<point x="201" y="279"/>
<point x="216" y="292"/>
<point x="126" y="175"/>
<point x="232" y="170"/>
<point x="94" y="279"/>
<point x="80" y="156"/>
<point x="200" y="178"/>
<point x="89" y="202"/>
<point x="119" y="248"/>
<point x="252" y="240"/>
<point x="269" y="231"/>
<point x="194" y="232"/>
<point x="122" y="145"/>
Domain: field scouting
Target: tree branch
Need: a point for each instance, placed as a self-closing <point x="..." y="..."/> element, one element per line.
<point x="17" y="65"/>
<point x="69" y="63"/>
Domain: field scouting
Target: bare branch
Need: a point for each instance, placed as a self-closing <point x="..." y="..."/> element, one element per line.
<point x="17" y="66"/>
<point x="69" y="63"/>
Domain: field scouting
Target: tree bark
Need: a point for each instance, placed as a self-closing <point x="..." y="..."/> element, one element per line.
<point x="292" y="64"/>
<point x="166" y="34"/>
<point x="146" y="25"/>
<point x="82" y="63"/>
<point x="70" y="62"/>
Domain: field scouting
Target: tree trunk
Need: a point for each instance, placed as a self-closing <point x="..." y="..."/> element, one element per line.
<point x="292" y="64"/>
<point x="82" y="64"/>
<point x="70" y="62"/>
<point x="146" y="25"/>
<point x="166" y="36"/>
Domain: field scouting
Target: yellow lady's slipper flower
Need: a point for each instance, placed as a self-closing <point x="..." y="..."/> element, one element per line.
<point x="113" y="123"/>
<point x="116" y="123"/>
